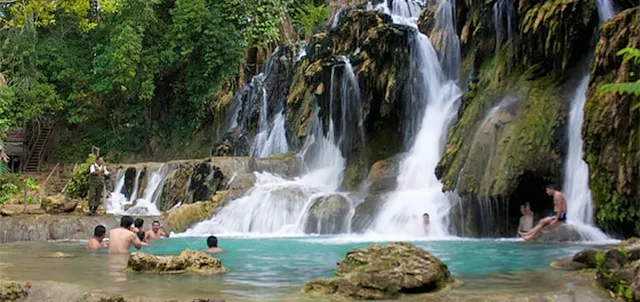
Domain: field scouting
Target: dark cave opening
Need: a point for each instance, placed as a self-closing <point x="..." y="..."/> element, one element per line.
<point x="531" y="189"/>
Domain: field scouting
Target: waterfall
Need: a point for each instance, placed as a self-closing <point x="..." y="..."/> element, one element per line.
<point x="504" y="18"/>
<point x="419" y="191"/>
<point x="117" y="203"/>
<point x="576" y="178"/>
<point x="605" y="9"/>
<point x="278" y="205"/>
<point x="449" y="51"/>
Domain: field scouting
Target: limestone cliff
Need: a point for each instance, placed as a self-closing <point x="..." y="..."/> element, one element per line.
<point x="611" y="128"/>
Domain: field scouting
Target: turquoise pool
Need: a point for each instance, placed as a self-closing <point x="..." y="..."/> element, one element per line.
<point x="262" y="268"/>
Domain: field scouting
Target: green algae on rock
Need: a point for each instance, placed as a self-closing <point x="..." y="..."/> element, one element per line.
<point x="12" y="291"/>
<point x="611" y="130"/>
<point x="377" y="272"/>
<point x="188" y="261"/>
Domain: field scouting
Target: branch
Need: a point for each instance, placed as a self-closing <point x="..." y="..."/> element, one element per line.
<point x="7" y="1"/>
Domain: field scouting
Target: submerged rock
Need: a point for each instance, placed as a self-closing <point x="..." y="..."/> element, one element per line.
<point x="559" y="232"/>
<point x="328" y="215"/>
<point x="58" y="204"/>
<point x="12" y="291"/>
<point x="377" y="272"/>
<point x="188" y="261"/>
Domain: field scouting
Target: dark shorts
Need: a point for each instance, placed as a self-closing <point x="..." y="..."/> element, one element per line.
<point x="563" y="217"/>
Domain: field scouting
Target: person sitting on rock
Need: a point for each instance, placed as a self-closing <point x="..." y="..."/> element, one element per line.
<point x="425" y="223"/>
<point x="137" y="229"/>
<point x="155" y="232"/>
<point x="212" y="243"/>
<point x="526" y="220"/>
<point x="122" y="238"/>
<point x="96" y="242"/>
<point x="559" y="209"/>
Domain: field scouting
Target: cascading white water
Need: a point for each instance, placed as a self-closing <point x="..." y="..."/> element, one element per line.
<point x="576" y="178"/>
<point x="419" y="191"/>
<point x="449" y="53"/>
<point x="278" y="205"/>
<point x="504" y="18"/>
<point x="147" y="203"/>
<point x="605" y="9"/>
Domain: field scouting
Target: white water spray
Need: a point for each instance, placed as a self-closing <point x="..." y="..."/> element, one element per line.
<point x="147" y="203"/>
<point x="276" y="205"/>
<point x="419" y="191"/>
<point x="576" y="179"/>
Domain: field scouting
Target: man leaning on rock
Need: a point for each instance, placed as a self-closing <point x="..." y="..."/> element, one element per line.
<point x="97" y="173"/>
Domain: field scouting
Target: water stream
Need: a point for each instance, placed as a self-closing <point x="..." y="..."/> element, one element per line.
<point x="576" y="178"/>
<point x="147" y="204"/>
<point x="419" y="191"/>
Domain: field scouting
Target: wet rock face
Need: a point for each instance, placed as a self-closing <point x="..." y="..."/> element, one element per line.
<point x="377" y="272"/>
<point x="129" y="181"/>
<point x="366" y="211"/>
<point x="328" y="215"/>
<point x="56" y="227"/>
<point x="188" y="261"/>
<point x="559" y="232"/>
<point x="379" y="54"/>
<point x="611" y="129"/>
<point x="383" y="175"/>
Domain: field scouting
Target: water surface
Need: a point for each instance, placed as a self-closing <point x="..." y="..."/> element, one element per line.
<point x="270" y="268"/>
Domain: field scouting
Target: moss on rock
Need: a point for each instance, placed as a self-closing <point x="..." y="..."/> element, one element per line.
<point x="188" y="261"/>
<point x="377" y="272"/>
<point x="611" y="130"/>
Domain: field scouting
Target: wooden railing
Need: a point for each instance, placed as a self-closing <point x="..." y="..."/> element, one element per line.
<point x="45" y="184"/>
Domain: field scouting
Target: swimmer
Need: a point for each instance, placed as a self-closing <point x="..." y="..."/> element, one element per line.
<point x="559" y="212"/>
<point x="137" y="228"/>
<point x="122" y="238"/>
<point x="425" y="223"/>
<point x="96" y="242"/>
<point x="155" y="232"/>
<point x="212" y="243"/>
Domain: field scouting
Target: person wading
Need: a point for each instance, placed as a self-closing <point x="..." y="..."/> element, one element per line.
<point x="97" y="172"/>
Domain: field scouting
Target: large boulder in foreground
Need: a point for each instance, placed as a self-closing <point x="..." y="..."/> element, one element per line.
<point x="559" y="232"/>
<point x="12" y="291"/>
<point x="377" y="272"/>
<point x="188" y="261"/>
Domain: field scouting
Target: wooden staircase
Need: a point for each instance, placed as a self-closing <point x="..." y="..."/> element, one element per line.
<point x="39" y="146"/>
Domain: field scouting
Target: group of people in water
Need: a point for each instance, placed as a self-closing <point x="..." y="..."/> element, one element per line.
<point x="131" y="233"/>
<point x="526" y="228"/>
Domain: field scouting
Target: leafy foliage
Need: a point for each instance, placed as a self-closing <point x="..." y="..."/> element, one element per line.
<point x="633" y="88"/>
<point x="78" y="186"/>
<point x="308" y="17"/>
<point x="129" y="71"/>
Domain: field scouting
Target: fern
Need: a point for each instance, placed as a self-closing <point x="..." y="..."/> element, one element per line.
<point x="631" y="88"/>
<point x="309" y="17"/>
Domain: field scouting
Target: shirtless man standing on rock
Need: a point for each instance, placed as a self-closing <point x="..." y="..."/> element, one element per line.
<point x="122" y="238"/>
<point x="559" y="212"/>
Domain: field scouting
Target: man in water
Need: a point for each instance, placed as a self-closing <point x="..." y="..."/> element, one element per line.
<point x="212" y="243"/>
<point x="425" y="223"/>
<point x="122" y="238"/>
<point x="137" y="228"/>
<point x="526" y="220"/>
<point x="155" y="232"/>
<point x="97" y="172"/>
<point x="559" y="209"/>
<point x="96" y="242"/>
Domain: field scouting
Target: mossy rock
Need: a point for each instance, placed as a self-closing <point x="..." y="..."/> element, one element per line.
<point x="188" y="261"/>
<point x="12" y="291"/>
<point x="377" y="272"/>
<point x="611" y="129"/>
